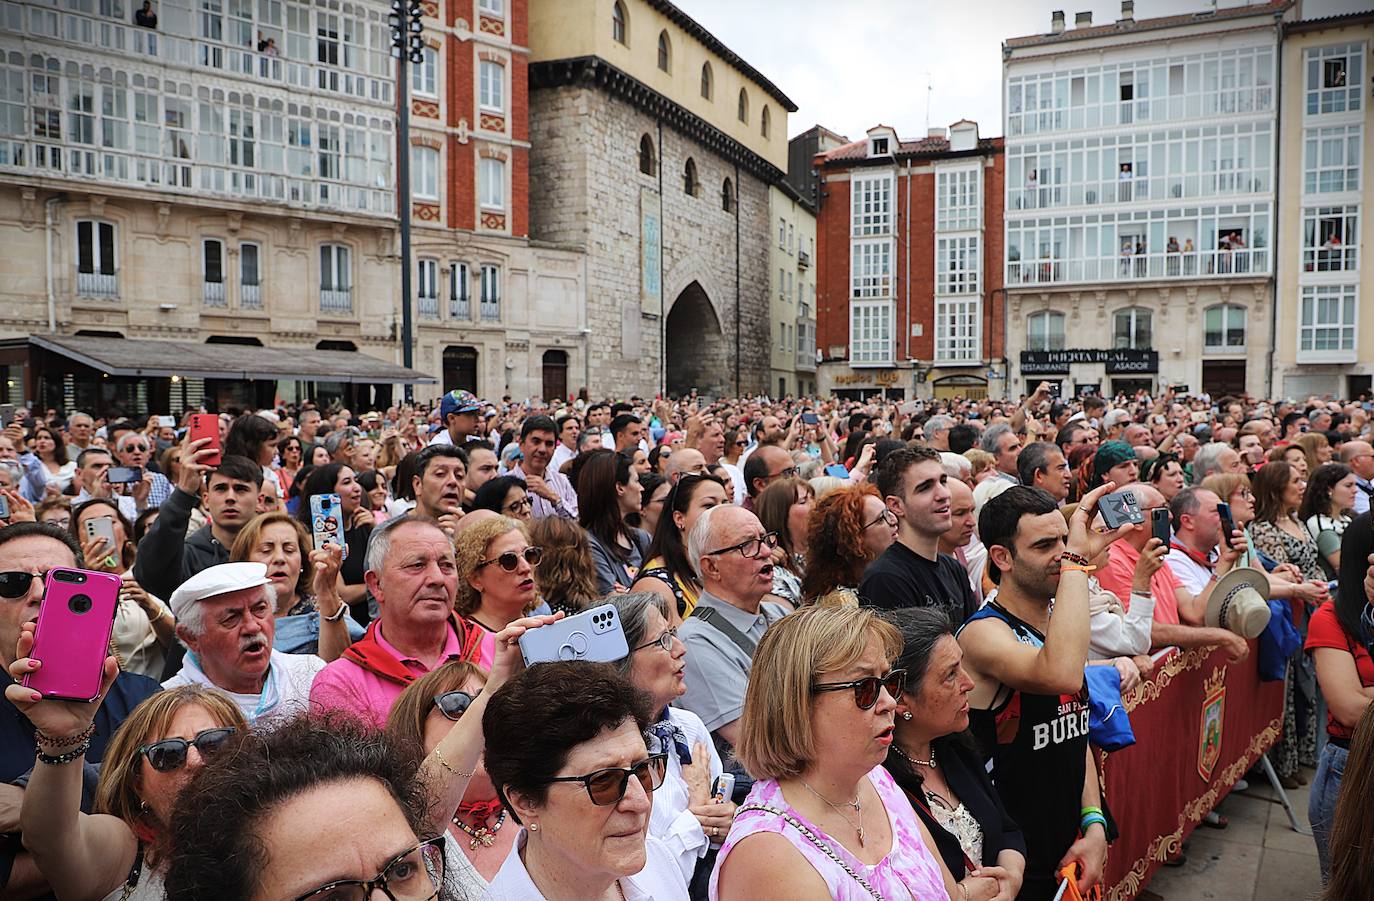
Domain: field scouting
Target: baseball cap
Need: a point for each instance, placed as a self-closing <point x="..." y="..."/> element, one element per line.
<point x="217" y="580"/>
<point x="459" y="401"/>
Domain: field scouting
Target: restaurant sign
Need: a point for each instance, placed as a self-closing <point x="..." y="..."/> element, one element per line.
<point x="1118" y="362"/>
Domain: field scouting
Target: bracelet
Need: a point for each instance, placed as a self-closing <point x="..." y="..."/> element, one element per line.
<point x="67" y="742"/>
<point x="1087" y="810"/>
<point x="445" y="764"/>
<point x="338" y="614"/>
<point x="1073" y="558"/>
<point x="1091" y="820"/>
<point x="1075" y="568"/>
<point x="74" y="754"/>
<point x="963" y="888"/>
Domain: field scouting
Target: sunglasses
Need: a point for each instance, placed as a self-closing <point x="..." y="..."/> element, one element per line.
<point x="14" y="584"/>
<point x="607" y="787"/>
<point x="170" y="753"/>
<point x="510" y="560"/>
<point x="453" y="704"/>
<point x="866" y="690"/>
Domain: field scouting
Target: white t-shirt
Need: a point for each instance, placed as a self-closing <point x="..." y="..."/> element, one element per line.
<point x="671" y="822"/>
<point x="1192" y="574"/>
<point x="286" y="693"/>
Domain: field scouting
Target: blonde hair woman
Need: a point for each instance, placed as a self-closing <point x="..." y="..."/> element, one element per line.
<point x="495" y="577"/>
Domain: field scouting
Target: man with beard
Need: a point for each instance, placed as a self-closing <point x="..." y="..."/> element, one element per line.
<point x="913" y="572"/>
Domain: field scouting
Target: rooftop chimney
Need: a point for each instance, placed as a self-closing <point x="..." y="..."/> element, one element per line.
<point x="935" y="132"/>
<point x="1128" y="11"/>
<point x="1083" y="20"/>
<point x="1057" y="22"/>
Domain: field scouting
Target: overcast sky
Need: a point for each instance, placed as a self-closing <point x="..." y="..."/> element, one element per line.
<point x="854" y="64"/>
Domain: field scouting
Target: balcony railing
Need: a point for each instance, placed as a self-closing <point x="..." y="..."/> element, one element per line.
<point x="250" y="297"/>
<point x="97" y="284"/>
<point x="212" y="294"/>
<point x="803" y="260"/>
<point x="460" y="308"/>
<point x="336" y="300"/>
<point x="491" y="311"/>
<point x="1141" y="266"/>
<point x="428" y="306"/>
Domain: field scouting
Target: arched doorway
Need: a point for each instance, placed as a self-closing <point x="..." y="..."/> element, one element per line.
<point x="696" y="352"/>
<point x="460" y="369"/>
<point x="555" y="375"/>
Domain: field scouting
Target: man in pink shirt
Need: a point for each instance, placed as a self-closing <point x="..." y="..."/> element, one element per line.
<point x="411" y="571"/>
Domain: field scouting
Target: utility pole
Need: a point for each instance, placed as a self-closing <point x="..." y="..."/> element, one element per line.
<point x="406" y="45"/>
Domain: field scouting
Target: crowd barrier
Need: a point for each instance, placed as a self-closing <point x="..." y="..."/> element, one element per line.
<point x="1200" y="724"/>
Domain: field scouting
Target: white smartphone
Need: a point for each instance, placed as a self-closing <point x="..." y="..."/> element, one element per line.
<point x="594" y="635"/>
<point x="103" y="527"/>
<point x="723" y="788"/>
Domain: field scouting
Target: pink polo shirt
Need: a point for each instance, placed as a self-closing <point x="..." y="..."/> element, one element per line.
<point x="1119" y="572"/>
<point x="346" y="686"/>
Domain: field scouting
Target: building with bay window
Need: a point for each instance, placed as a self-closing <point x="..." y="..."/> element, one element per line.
<point x="793" y="298"/>
<point x="909" y="289"/>
<point x="1140" y="201"/>
<point x="1324" y="345"/>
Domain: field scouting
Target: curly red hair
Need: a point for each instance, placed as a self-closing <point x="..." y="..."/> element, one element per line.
<point x="835" y="551"/>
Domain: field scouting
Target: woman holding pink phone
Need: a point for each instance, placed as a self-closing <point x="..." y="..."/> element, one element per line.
<point x="120" y="850"/>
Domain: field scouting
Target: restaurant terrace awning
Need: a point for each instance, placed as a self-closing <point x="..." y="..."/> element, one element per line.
<point x="147" y="358"/>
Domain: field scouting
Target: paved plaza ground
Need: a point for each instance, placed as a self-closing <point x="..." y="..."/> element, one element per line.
<point x="1257" y="858"/>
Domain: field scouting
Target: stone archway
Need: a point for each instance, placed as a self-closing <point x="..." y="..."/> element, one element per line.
<point x="697" y="353"/>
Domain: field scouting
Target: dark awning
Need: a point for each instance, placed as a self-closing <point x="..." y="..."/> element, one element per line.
<point x="139" y="357"/>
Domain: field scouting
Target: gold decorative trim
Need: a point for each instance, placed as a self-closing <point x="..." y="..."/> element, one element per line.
<point x="1150" y="689"/>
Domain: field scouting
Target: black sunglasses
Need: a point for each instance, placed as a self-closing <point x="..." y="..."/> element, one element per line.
<point x="607" y="787"/>
<point x="415" y="875"/>
<point x="14" y="584"/>
<point x="454" y="704"/>
<point x="866" y="690"/>
<point x="170" y="753"/>
<point x="510" y="559"/>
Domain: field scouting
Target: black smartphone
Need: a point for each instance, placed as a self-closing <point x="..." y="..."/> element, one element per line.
<point x="124" y="475"/>
<point x="1120" y="508"/>
<point x="1228" y="525"/>
<point x="810" y="418"/>
<point x="1159" y="524"/>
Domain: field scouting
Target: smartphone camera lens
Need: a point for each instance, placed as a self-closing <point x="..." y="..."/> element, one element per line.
<point x="79" y="604"/>
<point x="68" y="575"/>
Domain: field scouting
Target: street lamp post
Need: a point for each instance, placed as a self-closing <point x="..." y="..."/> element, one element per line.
<point x="406" y="45"/>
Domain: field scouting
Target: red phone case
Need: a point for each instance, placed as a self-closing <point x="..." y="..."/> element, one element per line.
<point x="206" y="425"/>
<point x="73" y="635"/>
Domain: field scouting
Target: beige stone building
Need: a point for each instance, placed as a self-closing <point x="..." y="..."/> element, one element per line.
<point x="1325" y="341"/>
<point x="793" y="298"/>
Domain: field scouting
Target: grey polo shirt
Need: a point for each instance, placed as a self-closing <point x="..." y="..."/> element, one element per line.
<point x="717" y="668"/>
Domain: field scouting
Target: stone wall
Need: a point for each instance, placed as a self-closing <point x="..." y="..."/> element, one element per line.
<point x="586" y="189"/>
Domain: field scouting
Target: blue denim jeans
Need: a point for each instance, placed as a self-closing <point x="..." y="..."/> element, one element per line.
<point x="1321" y="803"/>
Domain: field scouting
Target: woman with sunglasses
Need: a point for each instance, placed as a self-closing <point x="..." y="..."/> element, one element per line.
<point x="120" y="850"/>
<point x="848" y="529"/>
<point x="495" y="578"/>
<point x="566" y="750"/>
<point x="668" y="573"/>
<point x="686" y="818"/>
<point x="938" y="766"/>
<point x="608" y="491"/>
<point x="290" y="457"/>
<point x="506" y="495"/>
<point x="824" y="818"/>
<point x="785" y="507"/>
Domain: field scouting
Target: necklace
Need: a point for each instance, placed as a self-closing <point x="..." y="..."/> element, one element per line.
<point x="858" y="808"/>
<point x="909" y="759"/>
<point x="482" y="835"/>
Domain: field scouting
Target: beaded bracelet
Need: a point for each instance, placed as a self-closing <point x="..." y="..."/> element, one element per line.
<point x="67" y="742"/>
<point x="74" y="754"/>
<point x="1074" y="558"/>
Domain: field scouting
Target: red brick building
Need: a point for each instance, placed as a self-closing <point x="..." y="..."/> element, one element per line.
<point x="909" y="290"/>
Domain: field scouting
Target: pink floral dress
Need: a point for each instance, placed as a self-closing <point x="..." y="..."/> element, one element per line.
<point x="909" y="872"/>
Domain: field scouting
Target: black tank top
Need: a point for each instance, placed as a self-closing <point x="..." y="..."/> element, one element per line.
<point x="1038" y="746"/>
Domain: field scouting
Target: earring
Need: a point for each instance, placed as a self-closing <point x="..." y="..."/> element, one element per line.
<point x="534" y="827"/>
<point x="906" y="714"/>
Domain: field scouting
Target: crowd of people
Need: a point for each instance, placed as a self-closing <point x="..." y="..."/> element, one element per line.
<point x="846" y="623"/>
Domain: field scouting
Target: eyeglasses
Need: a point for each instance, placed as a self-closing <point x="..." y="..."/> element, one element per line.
<point x="607" y="787"/>
<point x="866" y="690"/>
<point x="749" y="547"/>
<point x="453" y="704"/>
<point x="887" y="517"/>
<point x="787" y="473"/>
<point x="518" y="506"/>
<point x="415" y="875"/>
<point x="170" y="753"/>
<point x="510" y="560"/>
<point x="15" y="584"/>
<point x="664" y="641"/>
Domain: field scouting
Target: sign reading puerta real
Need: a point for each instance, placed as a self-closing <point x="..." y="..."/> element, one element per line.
<point x="1118" y="362"/>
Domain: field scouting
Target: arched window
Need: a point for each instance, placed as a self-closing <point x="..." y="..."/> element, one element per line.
<point x="1133" y="329"/>
<point x="1224" y="328"/>
<point x="618" y="22"/>
<point x="707" y="86"/>
<point x="689" y="178"/>
<point x="743" y="106"/>
<point x="1045" y="331"/>
<point x="647" y="164"/>
<point x="765" y="122"/>
<point x="727" y="196"/>
<point x="665" y="52"/>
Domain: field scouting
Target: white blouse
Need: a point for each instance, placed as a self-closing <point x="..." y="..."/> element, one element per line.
<point x="660" y="880"/>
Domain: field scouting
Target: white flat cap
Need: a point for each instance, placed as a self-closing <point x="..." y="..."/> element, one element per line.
<point x="217" y="580"/>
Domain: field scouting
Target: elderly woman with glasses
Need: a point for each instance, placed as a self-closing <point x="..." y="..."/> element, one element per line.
<point x="848" y="529"/>
<point x="824" y="819"/>
<point x="686" y="817"/>
<point x="566" y="750"/>
<point x="495" y="578"/>
<point x="121" y="849"/>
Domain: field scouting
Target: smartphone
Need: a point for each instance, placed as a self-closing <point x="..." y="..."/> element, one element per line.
<point x="72" y="639"/>
<point x="124" y="475"/>
<point x="326" y="522"/>
<point x="593" y="635"/>
<point x="1159" y="524"/>
<point x="810" y="418"/>
<point x="4" y="507"/>
<point x="723" y="788"/>
<point x="102" y="527"/>
<point x="6" y="414"/>
<point x="1228" y="525"/>
<point x="1120" y="508"/>
<point x="206" y="425"/>
<point x="166" y="422"/>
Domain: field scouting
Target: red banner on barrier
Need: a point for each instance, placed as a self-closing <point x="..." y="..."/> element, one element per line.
<point x="1199" y="724"/>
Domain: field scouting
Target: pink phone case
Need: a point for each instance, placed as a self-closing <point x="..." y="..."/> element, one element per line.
<point x="72" y="639"/>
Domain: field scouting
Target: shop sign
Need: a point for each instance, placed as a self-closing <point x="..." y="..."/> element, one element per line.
<point x="1118" y="362"/>
<point x="881" y="377"/>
